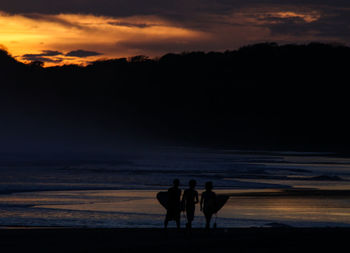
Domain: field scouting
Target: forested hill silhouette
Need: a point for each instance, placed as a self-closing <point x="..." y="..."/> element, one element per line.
<point x="263" y="94"/>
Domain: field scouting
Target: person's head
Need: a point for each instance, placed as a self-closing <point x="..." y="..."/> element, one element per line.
<point x="176" y="182"/>
<point x="209" y="186"/>
<point x="192" y="183"/>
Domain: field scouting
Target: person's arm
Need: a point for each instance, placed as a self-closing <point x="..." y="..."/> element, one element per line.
<point x="201" y="204"/>
<point x="183" y="201"/>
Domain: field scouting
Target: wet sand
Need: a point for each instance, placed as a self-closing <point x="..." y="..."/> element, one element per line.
<point x="156" y="240"/>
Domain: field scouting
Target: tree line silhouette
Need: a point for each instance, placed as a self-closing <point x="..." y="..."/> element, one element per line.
<point x="262" y="95"/>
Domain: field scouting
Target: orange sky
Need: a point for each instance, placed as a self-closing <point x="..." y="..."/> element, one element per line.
<point x="66" y="32"/>
<point x="52" y="37"/>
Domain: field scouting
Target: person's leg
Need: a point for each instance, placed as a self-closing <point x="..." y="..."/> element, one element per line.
<point x="166" y="223"/>
<point x="167" y="218"/>
<point x="207" y="220"/>
<point x="178" y="223"/>
<point x="190" y="217"/>
<point x="189" y="225"/>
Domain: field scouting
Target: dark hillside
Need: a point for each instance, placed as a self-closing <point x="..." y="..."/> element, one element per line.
<point x="260" y="95"/>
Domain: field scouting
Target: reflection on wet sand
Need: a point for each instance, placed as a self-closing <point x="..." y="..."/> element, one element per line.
<point x="139" y="208"/>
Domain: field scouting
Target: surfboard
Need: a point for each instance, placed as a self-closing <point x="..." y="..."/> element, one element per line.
<point x="220" y="202"/>
<point x="163" y="199"/>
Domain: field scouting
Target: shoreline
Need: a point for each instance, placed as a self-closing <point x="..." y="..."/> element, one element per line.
<point x="140" y="209"/>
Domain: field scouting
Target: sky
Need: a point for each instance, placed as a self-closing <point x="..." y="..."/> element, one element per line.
<point x="81" y="31"/>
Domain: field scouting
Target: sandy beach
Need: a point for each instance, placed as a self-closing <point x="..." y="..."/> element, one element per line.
<point x="156" y="240"/>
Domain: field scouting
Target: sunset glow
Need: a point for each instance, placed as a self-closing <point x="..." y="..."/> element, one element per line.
<point x="58" y="38"/>
<point x="307" y="17"/>
<point x="37" y="36"/>
<point x="174" y="126"/>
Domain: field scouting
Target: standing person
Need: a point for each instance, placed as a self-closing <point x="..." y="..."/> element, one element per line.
<point x="174" y="204"/>
<point x="207" y="204"/>
<point x="189" y="201"/>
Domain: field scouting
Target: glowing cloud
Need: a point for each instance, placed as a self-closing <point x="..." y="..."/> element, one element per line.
<point x="83" y="38"/>
<point x="306" y="17"/>
<point x="36" y="36"/>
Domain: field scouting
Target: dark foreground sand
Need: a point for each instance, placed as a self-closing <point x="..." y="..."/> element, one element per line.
<point x="155" y="240"/>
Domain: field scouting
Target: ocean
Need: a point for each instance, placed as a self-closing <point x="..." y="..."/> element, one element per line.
<point x="267" y="188"/>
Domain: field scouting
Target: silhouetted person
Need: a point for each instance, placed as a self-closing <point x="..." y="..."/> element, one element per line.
<point x="189" y="201"/>
<point x="207" y="204"/>
<point x="174" y="204"/>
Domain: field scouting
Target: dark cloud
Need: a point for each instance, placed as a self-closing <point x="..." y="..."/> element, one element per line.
<point x="50" y="18"/>
<point x="82" y="53"/>
<point x="29" y="57"/>
<point x="44" y="53"/>
<point x="334" y="25"/>
<point x="50" y="56"/>
<point x="156" y="7"/>
<point x="101" y="7"/>
<point x="129" y="24"/>
<point x="45" y="56"/>
<point x="50" y="53"/>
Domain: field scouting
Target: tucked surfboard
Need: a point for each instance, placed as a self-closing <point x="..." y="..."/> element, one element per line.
<point x="163" y="199"/>
<point x="220" y="202"/>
